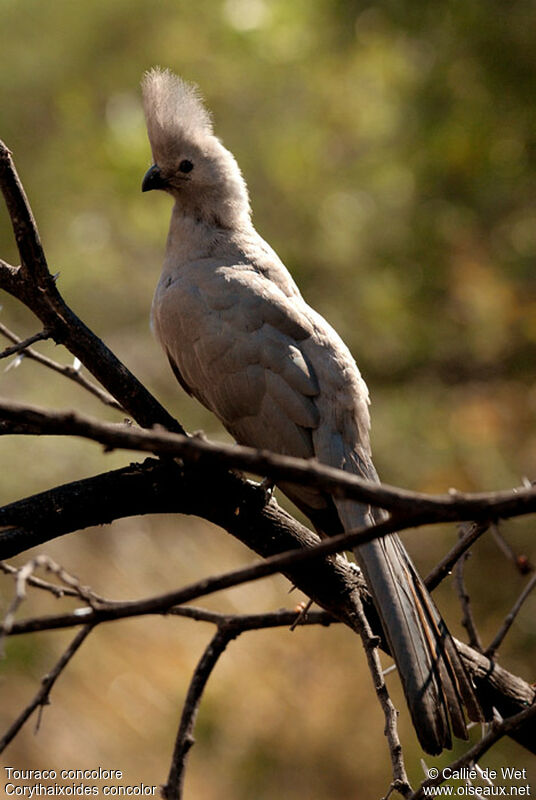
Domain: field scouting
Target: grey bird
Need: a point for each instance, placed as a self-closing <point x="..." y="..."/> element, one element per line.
<point x="242" y="340"/>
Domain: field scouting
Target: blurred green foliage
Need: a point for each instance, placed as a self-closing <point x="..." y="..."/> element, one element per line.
<point x="390" y="151"/>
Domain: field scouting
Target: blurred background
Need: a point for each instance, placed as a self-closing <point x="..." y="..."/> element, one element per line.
<point x="390" y="152"/>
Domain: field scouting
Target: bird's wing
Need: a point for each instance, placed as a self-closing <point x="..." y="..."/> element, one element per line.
<point x="235" y="340"/>
<point x="273" y="371"/>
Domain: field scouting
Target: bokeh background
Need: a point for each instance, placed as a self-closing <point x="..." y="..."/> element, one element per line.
<point x="390" y="151"/>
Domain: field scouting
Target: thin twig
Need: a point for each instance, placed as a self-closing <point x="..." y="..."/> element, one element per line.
<point x="54" y="588"/>
<point x="274" y="619"/>
<point x="23" y="344"/>
<point x="510" y="617"/>
<point x="24" y="574"/>
<point x="496" y="732"/>
<point x="67" y="371"/>
<point x="472" y="531"/>
<point x="184" y="741"/>
<point x="42" y="696"/>
<point x="468" y="620"/>
<point x="520" y="562"/>
<point x="400" y="781"/>
<point x="228" y="628"/>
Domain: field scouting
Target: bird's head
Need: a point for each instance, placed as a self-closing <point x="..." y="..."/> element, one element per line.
<point x="189" y="161"/>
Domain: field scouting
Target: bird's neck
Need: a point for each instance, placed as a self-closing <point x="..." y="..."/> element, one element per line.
<point x="188" y="237"/>
<point x="192" y="237"/>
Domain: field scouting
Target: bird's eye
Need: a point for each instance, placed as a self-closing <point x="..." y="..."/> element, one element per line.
<point x="186" y="166"/>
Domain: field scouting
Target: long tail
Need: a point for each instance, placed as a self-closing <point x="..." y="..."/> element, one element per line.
<point x="434" y="679"/>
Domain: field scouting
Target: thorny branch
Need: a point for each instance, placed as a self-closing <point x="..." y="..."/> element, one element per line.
<point x="175" y="782"/>
<point x="321" y="580"/>
<point x="42" y="696"/>
<point x="107" y="612"/>
<point x="496" y="687"/>
<point x="24" y="575"/>
<point x="241" y="511"/>
<point x="34" y="285"/>
<point x="509" y="619"/>
<point x="228" y="628"/>
<point x="70" y="372"/>
<point x="471" y="533"/>
<point x="400" y="780"/>
<point x="58" y="590"/>
<point x="23" y="344"/>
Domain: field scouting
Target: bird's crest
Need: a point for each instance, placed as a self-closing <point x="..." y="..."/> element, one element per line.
<point x="174" y="111"/>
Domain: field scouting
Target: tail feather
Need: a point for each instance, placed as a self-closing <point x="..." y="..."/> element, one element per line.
<point x="450" y="661"/>
<point x="433" y="677"/>
<point x="435" y="683"/>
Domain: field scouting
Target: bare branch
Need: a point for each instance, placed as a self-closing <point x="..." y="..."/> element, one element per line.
<point x="455" y="506"/>
<point x="248" y="622"/>
<point x="520" y="562"/>
<point x="184" y="741"/>
<point x="54" y="588"/>
<point x="468" y="620"/>
<point x="232" y="625"/>
<point x="33" y="261"/>
<point x="24" y="574"/>
<point x="164" y="486"/>
<point x="24" y="344"/>
<point x="67" y="371"/>
<point x="499" y="689"/>
<point x="496" y="687"/>
<point x="42" y="696"/>
<point x="400" y="780"/>
<point x="509" y="619"/>
<point x="238" y="506"/>
<point x="33" y="284"/>
<point x="161" y="604"/>
<point x="229" y="627"/>
<point x="472" y="531"/>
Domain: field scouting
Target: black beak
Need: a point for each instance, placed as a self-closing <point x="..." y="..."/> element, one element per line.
<point x="153" y="179"/>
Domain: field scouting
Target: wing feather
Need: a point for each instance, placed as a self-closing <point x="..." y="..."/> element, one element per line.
<point x="299" y="408"/>
<point x="244" y="360"/>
